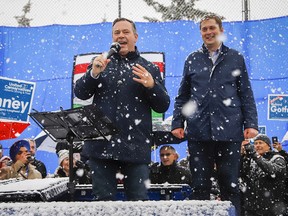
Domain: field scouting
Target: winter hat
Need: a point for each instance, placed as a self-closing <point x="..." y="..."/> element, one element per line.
<point x="15" y="148"/>
<point x="62" y="154"/>
<point x="264" y="138"/>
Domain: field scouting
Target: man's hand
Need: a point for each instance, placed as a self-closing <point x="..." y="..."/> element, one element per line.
<point x="250" y="133"/>
<point x="25" y="158"/>
<point x="178" y="132"/>
<point x="145" y="78"/>
<point x="277" y="146"/>
<point x="99" y="64"/>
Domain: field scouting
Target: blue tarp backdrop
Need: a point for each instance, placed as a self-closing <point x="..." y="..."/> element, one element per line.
<point x="45" y="55"/>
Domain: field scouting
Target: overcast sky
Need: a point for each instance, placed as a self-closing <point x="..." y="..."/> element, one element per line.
<point x="47" y="12"/>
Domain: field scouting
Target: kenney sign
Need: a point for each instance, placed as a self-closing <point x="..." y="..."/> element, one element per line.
<point x="15" y="99"/>
<point x="278" y="107"/>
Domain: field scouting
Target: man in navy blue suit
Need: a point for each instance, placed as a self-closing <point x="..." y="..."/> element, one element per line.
<point x="215" y="98"/>
<point x="125" y="87"/>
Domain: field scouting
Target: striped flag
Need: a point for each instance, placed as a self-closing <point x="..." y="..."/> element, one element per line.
<point x="82" y="61"/>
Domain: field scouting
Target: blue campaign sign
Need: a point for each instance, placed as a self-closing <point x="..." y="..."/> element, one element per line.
<point x="262" y="129"/>
<point x="15" y="99"/>
<point x="278" y="107"/>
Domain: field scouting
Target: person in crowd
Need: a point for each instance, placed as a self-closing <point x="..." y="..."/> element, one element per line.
<point x="40" y="166"/>
<point x="263" y="173"/>
<point x="125" y="88"/>
<point x="63" y="160"/>
<point x="21" y="167"/>
<point x="80" y="170"/>
<point x="279" y="148"/>
<point x="216" y="101"/>
<point x="184" y="162"/>
<point x="168" y="171"/>
<point x="5" y="161"/>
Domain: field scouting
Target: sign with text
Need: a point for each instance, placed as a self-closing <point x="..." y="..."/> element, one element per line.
<point x="262" y="129"/>
<point x="278" y="107"/>
<point x="15" y="99"/>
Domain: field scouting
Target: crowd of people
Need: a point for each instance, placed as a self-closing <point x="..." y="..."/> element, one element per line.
<point x="263" y="179"/>
<point x="221" y="162"/>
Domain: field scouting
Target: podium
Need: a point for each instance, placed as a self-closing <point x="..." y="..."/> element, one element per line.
<point x="79" y="124"/>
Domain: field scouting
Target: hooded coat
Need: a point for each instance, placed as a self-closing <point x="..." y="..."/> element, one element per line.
<point x="221" y="95"/>
<point x="127" y="104"/>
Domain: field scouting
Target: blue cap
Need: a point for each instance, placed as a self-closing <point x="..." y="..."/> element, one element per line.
<point x="15" y="148"/>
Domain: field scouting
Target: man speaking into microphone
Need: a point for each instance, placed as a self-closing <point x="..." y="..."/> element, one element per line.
<point x="125" y="87"/>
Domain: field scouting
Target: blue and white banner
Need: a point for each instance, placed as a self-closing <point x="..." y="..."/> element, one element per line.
<point x="284" y="141"/>
<point x="278" y="107"/>
<point x="262" y="129"/>
<point x="15" y="99"/>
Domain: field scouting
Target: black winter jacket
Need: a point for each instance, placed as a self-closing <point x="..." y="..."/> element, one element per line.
<point x="264" y="183"/>
<point x="173" y="174"/>
<point x="128" y="104"/>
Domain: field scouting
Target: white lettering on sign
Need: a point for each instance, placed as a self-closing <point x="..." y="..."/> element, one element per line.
<point x="13" y="104"/>
<point x="279" y="109"/>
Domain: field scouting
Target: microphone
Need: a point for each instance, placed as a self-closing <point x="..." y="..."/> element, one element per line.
<point x="30" y="158"/>
<point x="115" y="48"/>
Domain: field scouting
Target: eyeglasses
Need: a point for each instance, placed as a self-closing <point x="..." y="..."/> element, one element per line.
<point x="167" y="155"/>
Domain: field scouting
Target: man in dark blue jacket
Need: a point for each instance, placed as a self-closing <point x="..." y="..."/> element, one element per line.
<point x="126" y="88"/>
<point x="215" y="98"/>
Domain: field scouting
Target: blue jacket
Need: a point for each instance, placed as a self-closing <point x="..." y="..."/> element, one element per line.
<point x="221" y="94"/>
<point x="128" y="104"/>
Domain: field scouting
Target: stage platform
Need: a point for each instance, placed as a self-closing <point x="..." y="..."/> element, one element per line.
<point x="51" y="196"/>
<point x="56" y="189"/>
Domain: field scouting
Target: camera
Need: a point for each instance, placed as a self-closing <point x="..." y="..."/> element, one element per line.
<point x="30" y="158"/>
<point x="249" y="149"/>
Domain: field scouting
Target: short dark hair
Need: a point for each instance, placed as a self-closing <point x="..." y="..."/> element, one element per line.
<point x="125" y="19"/>
<point x="212" y="16"/>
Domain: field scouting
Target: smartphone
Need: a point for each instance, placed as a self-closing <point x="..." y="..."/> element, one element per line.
<point x="274" y="139"/>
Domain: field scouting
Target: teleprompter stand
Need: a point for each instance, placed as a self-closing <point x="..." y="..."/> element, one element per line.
<point x="79" y="124"/>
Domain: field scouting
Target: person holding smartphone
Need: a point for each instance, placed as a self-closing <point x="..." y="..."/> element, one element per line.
<point x="278" y="146"/>
<point x="263" y="176"/>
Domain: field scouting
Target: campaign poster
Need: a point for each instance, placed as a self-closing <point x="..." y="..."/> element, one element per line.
<point x="15" y="99"/>
<point x="82" y="61"/>
<point x="278" y="107"/>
